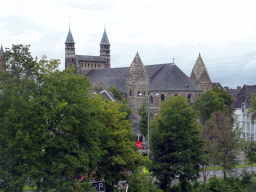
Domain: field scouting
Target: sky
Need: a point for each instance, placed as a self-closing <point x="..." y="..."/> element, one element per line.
<point x="224" y="32"/>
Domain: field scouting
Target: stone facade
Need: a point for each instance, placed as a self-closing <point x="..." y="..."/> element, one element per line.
<point x="85" y="63"/>
<point x="200" y="75"/>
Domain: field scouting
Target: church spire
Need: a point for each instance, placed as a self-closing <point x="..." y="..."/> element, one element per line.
<point x="104" y="39"/>
<point x="69" y="37"/>
<point x="1" y="51"/>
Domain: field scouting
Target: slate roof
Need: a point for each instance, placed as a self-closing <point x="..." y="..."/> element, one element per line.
<point x="162" y="77"/>
<point x="104" y="39"/>
<point x="244" y="95"/>
<point x="1" y="51"/>
<point x="88" y="58"/>
<point x="70" y="38"/>
<point x="217" y="84"/>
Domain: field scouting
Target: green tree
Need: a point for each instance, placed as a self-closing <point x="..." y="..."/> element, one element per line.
<point x="121" y="157"/>
<point x="251" y="110"/>
<point x="176" y="151"/>
<point x="226" y="139"/>
<point x="206" y="104"/>
<point x="250" y="152"/>
<point x="117" y="93"/>
<point x="143" y="112"/>
<point x="49" y="127"/>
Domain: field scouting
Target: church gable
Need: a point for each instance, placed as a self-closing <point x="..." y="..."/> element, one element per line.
<point x="137" y="70"/>
<point x="205" y="77"/>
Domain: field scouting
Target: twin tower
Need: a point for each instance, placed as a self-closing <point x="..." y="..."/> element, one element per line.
<point x="85" y="63"/>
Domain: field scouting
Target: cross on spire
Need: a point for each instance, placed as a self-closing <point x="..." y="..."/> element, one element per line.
<point x="173" y="60"/>
<point x="104" y="26"/>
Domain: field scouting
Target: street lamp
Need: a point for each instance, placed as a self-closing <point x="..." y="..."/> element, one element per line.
<point x="149" y="95"/>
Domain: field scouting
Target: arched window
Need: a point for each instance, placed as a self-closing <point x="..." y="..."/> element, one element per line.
<point x="151" y="99"/>
<point x="95" y="66"/>
<point x="162" y="97"/>
<point x="199" y="94"/>
<point x="91" y="65"/>
<point x="176" y="94"/>
<point x="189" y="97"/>
<point x="88" y="65"/>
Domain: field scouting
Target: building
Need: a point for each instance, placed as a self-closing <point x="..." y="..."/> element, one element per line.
<point x="140" y="83"/>
<point x="1" y="57"/>
<point x="200" y="75"/>
<point x="241" y="103"/>
<point x="85" y="63"/>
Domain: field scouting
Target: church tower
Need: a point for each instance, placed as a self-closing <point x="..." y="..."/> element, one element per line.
<point x="105" y="49"/>
<point x="137" y="84"/>
<point x="70" y="57"/>
<point x="1" y="57"/>
<point x="200" y="76"/>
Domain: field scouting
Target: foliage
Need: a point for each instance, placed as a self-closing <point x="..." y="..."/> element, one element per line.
<point x="121" y="157"/>
<point x="117" y="93"/>
<point x="176" y="144"/>
<point x="222" y="93"/>
<point x="251" y="110"/>
<point x="225" y="139"/>
<point x="206" y="104"/>
<point x="250" y="152"/>
<point x="49" y="127"/>
<point x="143" y="112"/>
<point x="140" y="182"/>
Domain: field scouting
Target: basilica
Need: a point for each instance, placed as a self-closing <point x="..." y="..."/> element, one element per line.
<point x="139" y="82"/>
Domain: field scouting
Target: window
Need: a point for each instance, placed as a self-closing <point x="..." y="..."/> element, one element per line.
<point x="244" y="126"/>
<point x="176" y="94"/>
<point x="252" y="137"/>
<point x="199" y="94"/>
<point x="252" y="128"/>
<point x="138" y="93"/>
<point x="88" y="65"/>
<point x="130" y="92"/>
<point x="151" y="99"/>
<point x="248" y="127"/>
<point x="91" y="65"/>
<point x="247" y="137"/>
<point x="136" y="137"/>
<point x="140" y="138"/>
<point x="189" y="96"/>
<point x="162" y="97"/>
<point x="98" y="65"/>
<point x="95" y="66"/>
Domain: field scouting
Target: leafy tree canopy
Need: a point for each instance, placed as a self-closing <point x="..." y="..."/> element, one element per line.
<point x="176" y="144"/>
<point x="143" y="112"/>
<point x="207" y="103"/>
<point x="49" y="127"/>
<point x="117" y="93"/>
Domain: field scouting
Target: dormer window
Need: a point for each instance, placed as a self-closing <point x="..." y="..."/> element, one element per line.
<point x="187" y="86"/>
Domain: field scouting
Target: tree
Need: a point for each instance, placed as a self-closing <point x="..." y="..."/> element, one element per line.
<point x="251" y="110"/>
<point x="250" y="152"/>
<point x="176" y="144"/>
<point x="117" y="93"/>
<point x="143" y="112"/>
<point x="121" y="157"/>
<point x="220" y="130"/>
<point x="49" y="126"/>
<point x="206" y="104"/>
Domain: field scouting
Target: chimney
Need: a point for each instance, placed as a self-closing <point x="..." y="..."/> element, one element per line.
<point x="226" y="88"/>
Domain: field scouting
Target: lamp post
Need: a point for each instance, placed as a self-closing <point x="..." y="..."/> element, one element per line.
<point x="149" y="95"/>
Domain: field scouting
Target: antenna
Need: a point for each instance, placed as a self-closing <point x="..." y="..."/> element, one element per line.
<point x="173" y="60"/>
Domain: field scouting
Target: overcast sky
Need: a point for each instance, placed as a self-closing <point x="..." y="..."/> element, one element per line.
<point x="224" y="32"/>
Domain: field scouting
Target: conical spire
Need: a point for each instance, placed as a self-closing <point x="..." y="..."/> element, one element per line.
<point x="104" y="39"/>
<point x="1" y="51"/>
<point x="69" y="37"/>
